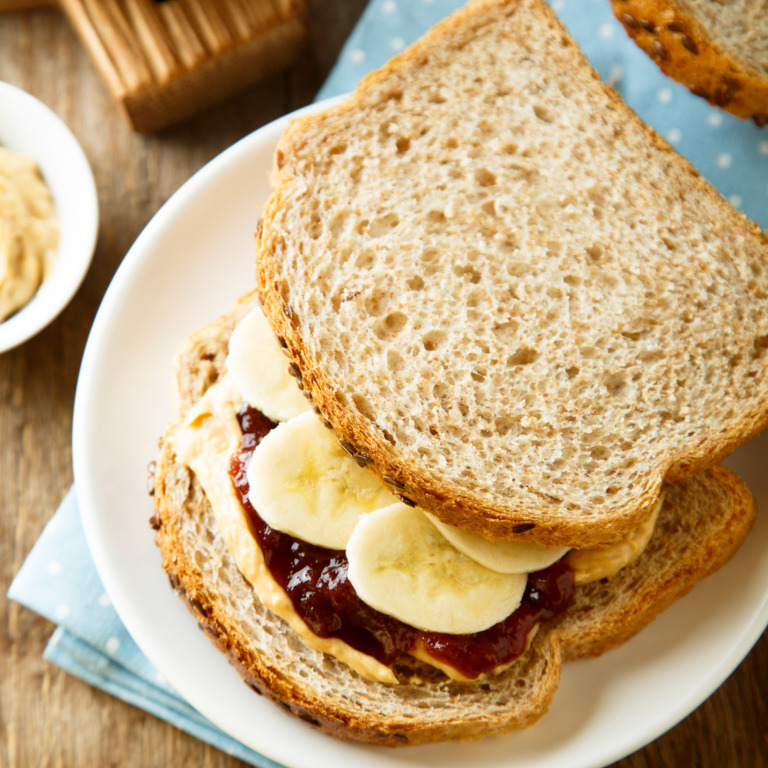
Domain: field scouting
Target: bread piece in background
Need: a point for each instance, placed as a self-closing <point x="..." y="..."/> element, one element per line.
<point x="718" y="49"/>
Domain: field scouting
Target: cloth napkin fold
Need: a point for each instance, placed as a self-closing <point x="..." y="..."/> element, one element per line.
<point x="59" y="581"/>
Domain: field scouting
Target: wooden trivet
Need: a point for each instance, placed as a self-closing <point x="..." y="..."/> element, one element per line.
<point x="164" y="60"/>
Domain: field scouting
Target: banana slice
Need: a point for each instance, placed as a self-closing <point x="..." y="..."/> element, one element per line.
<point x="503" y="556"/>
<point x="260" y="370"/>
<point x="302" y="482"/>
<point x="401" y="565"/>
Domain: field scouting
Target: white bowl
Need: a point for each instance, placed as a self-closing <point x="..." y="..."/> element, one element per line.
<point x="29" y="127"/>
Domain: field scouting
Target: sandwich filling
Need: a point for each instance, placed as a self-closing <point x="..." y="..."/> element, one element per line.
<point x="370" y="579"/>
<point x="317" y="581"/>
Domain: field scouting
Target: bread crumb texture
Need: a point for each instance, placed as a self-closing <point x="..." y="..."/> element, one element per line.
<point x="509" y="292"/>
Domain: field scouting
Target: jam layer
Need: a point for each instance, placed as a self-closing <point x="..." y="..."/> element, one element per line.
<point x="316" y="581"/>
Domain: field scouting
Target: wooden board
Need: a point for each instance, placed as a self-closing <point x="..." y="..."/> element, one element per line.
<point x="164" y="61"/>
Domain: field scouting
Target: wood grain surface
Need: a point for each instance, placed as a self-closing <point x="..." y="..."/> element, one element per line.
<point x="48" y="718"/>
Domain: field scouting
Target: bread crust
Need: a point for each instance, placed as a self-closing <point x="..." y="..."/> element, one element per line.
<point x="701" y="525"/>
<point x="540" y="516"/>
<point x="686" y="51"/>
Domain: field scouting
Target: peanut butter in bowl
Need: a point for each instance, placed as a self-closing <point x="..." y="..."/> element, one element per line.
<point x="29" y="231"/>
<point x="49" y="216"/>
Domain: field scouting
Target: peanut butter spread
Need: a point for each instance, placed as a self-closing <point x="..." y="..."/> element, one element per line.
<point x="29" y="231"/>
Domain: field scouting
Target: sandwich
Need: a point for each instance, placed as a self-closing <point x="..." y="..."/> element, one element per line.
<point x="468" y="424"/>
<point x="717" y="50"/>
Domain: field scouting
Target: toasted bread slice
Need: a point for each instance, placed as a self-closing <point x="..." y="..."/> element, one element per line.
<point x="507" y="292"/>
<point x="718" y="50"/>
<point x="701" y="524"/>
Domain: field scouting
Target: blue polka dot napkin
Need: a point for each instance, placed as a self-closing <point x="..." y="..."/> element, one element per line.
<point x="58" y="579"/>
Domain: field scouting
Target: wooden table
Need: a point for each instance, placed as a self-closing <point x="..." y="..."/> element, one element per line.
<point x="48" y="718"/>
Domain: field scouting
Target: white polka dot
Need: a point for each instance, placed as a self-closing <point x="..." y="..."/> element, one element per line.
<point x="735" y="201"/>
<point x="715" y="119"/>
<point x="615" y="74"/>
<point x="112" y="644"/>
<point x="397" y="43"/>
<point x="104" y="600"/>
<point x="763" y="148"/>
<point x="558" y="5"/>
<point x="427" y="2"/>
<point x="606" y="31"/>
<point x="724" y="160"/>
<point x="61" y="612"/>
<point x="674" y="135"/>
<point x="388" y="6"/>
<point x="54" y="567"/>
<point x="357" y="56"/>
<point x="665" y="95"/>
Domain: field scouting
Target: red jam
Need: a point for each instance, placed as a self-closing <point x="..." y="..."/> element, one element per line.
<point x="315" y="579"/>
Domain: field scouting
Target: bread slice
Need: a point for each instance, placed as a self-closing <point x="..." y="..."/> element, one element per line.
<point x="718" y="50"/>
<point x="507" y="292"/>
<point x="701" y="524"/>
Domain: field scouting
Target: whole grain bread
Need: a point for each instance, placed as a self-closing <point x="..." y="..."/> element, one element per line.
<point x="506" y="293"/>
<point x="718" y="50"/>
<point x="701" y="524"/>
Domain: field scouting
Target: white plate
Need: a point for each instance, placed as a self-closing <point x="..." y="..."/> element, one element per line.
<point x="27" y="126"/>
<point x="189" y="266"/>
